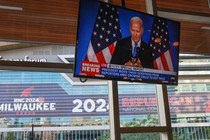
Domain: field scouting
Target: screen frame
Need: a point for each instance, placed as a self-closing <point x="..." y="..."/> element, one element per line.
<point x="120" y="79"/>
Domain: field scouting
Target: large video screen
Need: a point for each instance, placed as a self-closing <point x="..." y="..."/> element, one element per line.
<point x="117" y="43"/>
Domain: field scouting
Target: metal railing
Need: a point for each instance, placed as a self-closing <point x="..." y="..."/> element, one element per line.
<point x="195" y="131"/>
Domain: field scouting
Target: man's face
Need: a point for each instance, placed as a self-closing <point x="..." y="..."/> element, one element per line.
<point x="136" y="31"/>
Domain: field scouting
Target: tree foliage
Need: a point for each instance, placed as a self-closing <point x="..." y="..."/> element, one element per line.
<point x="10" y="136"/>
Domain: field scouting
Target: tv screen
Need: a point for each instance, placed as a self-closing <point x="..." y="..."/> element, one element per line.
<point x="117" y="43"/>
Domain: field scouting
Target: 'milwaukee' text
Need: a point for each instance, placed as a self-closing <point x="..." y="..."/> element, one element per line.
<point x="27" y="107"/>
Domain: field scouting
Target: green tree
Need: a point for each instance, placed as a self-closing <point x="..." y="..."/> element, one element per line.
<point x="105" y="136"/>
<point x="10" y="136"/>
<point x="176" y="137"/>
<point x="148" y="121"/>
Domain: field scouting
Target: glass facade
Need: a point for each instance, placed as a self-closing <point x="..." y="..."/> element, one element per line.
<point x="82" y="112"/>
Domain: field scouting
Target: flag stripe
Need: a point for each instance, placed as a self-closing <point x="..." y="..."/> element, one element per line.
<point x="112" y="47"/>
<point x="107" y="55"/>
<point x="159" y="63"/>
<point x="100" y="57"/>
<point x="155" y="64"/>
<point x="164" y="62"/>
<point x="169" y="60"/>
<point x="91" y="54"/>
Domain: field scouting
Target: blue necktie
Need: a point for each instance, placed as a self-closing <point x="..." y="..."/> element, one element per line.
<point x="134" y="50"/>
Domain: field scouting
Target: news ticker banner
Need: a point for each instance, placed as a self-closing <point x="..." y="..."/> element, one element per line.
<point x="127" y="72"/>
<point x="50" y="100"/>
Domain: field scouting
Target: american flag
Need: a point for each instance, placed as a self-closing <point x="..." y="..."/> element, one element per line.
<point x="105" y="34"/>
<point x="160" y="43"/>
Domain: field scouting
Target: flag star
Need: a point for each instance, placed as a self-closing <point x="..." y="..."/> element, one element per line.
<point x="161" y="30"/>
<point x="161" y="36"/>
<point x="158" y="27"/>
<point x="151" y="45"/>
<point x="107" y="5"/>
<point x="110" y="24"/>
<point x="156" y="34"/>
<point x="99" y="17"/>
<point x="158" y="20"/>
<point x="115" y="27"/>
<point x="101" y="36"/>
<point x="152" y="38"/>
<point x="106" y="13"/>
<point x="163" y="23"/>
<point x="112" y="9"/>
<point x="160" y="43"/>
<point x="111" y="16"/>
<point x="108" y="32"/>
<point x="114" y="35"/>
<point x="154" y="48"/>
<point x="164" y="46"/>
<point x="158" y="50"/>
<point x="154" y="24"/>
<point x="98" y="44"/>
<point x="97" y="25"/>
<point x="95" y="33"/>
<point x="166" y="33"/>
<point x="101" y="10"/>
<point x="107" y="40"/>
<point x="165" y="39"/>
<point x="153" y="31"/>
<point x="104" y="20"/>
<point x="117" y="19"/>
<point x="153" y="54"/>
<point x="102" y="28"/>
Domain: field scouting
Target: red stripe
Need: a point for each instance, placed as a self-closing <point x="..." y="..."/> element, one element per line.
<point x="100" y="57"/>
<point x="155" y="64"/>
<point x="111" y="48"/>
<point x="164" y="62"/>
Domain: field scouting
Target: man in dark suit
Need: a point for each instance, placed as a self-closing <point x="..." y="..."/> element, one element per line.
<point x="133" y="51"/>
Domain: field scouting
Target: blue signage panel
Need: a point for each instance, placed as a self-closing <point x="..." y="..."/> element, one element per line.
<point x="50" y="100"/>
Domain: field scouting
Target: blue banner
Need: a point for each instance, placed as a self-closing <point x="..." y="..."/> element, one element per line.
<point x="50" y="100"/>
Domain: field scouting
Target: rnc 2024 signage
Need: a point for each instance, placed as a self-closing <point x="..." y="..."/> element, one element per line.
<point x="49" y="100"/>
